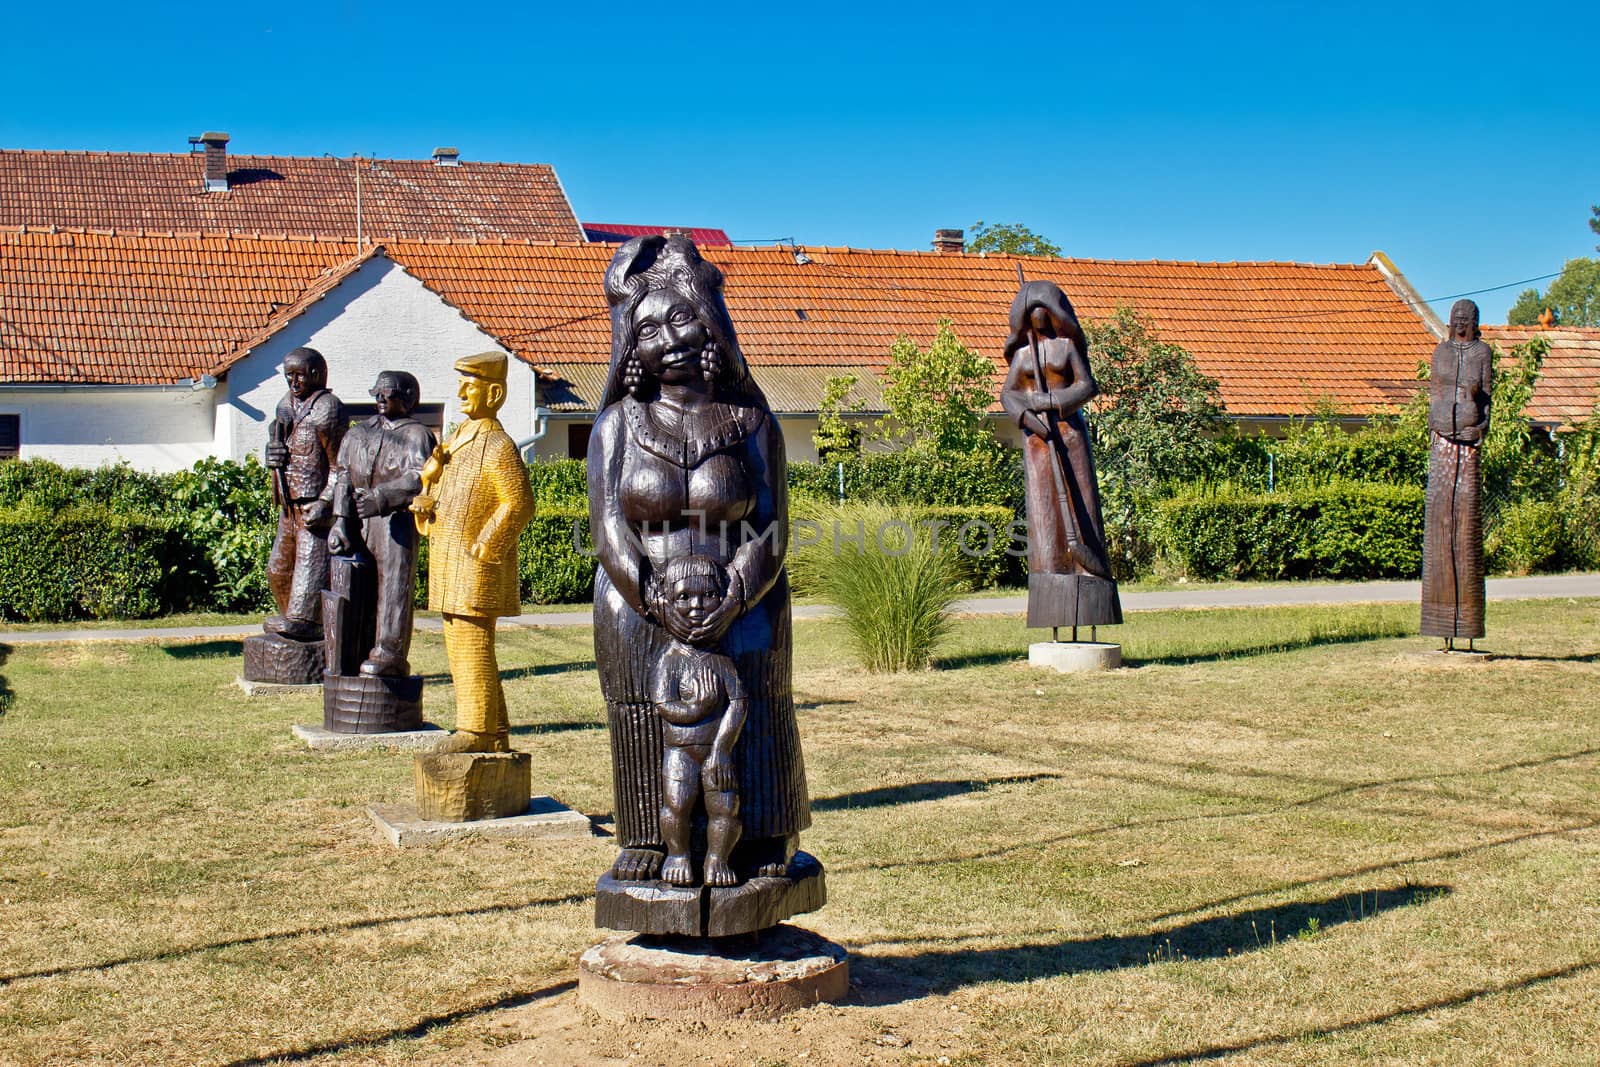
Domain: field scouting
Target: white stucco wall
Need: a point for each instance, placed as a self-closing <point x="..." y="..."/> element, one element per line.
<point x="380" y="318"/>
<point x="87" y="426"/>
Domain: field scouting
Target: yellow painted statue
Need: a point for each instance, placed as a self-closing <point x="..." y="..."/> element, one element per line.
<point x="475" y="501"/>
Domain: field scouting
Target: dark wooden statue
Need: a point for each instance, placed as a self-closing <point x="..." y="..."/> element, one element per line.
<point x="686" y="460"/>
<point x="367" y="610"/>
<point x="1046" y="388"/>
<point x="304" y="438"/>
<point x="1459" y="385"/>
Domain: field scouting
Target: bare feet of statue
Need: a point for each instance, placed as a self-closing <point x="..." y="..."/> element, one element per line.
<point x="677" y="871"/>
<point x="772" y="870"/>
<point x="718" y="872"/>
<point x="636" y="865"/>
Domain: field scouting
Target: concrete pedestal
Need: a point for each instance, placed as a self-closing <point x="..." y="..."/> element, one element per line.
<point x="756" y="977"/>
<point x="1075" y="657"/>
<point x="322" y="739"/>
<point x="1458" y="657"/>
<point x="541" y="817"/>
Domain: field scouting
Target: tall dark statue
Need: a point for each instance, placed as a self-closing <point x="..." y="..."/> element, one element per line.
<point x="1047" y="385"/>
<point x="367" y="686"/>
<point x="686" y="460"/>
<point x="1460" y="381"/>
<point x="378" y="474"/>
<point x="304" y="444"/>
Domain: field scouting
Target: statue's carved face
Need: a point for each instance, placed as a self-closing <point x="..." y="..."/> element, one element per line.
<point x="393" y="401"/>
<point x="695" y="597"/>
<point x="1461" y="322"/>
<point x="670" y="337"/>
<point x="480" y="398"/>
<point x="303" y="375"/>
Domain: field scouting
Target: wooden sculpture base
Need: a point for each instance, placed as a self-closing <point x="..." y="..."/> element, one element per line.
<point x="282" y="660"/>
<point x="468" y="786"/>
<point x="757" y="977"/>
<point x="358" y="704"/>
<point x="655" y="907"/>
<point x="1072" y="600"/>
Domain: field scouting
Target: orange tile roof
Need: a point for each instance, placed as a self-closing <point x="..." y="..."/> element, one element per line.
<point x="284" y="194"/>
<point x="1568" y="389"/>
<point x="1279" y="336"/>
<point x="88" y="307"/>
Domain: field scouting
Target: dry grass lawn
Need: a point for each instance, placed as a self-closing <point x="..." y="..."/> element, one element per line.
<point x="1280" y="836"/>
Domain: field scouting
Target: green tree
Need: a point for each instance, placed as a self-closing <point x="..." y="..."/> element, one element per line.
<point x="1156" y="415"/>
<point x="1574" y="297"/>
<point x="835" y="437"/>
<point x="936" y="399"/>
<point x="1010" y="237"/>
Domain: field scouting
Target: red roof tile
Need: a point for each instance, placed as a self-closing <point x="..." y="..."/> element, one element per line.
<point x="284" y="194"/>
<point x="1568" y="389"/>
<point x="1279" y="336"/>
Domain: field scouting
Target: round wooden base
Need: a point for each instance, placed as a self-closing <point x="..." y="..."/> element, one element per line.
<point x="761" y="976"/>
<point x="358" y="704"/>
<point x="283" y="660"/>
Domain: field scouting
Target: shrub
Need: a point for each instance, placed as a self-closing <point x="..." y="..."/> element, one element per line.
<point x="975" y="539"/>
<point x="90" y="562"/>
<point x="987" y="477"/>
<point x="560" y="483"/>
<point x="1341" y="530"/>
<point x="1528" y="536"/>
<point x="552" y="570"/>
<point x="895" y="592"/>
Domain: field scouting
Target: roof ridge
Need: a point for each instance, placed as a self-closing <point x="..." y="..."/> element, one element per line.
<point x="323" y="157"/>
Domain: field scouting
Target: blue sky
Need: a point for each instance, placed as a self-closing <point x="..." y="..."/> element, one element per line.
<point x="1462" y="140"/>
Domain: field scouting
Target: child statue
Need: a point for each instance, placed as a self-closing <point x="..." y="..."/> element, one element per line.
<point x="701" y="703"/>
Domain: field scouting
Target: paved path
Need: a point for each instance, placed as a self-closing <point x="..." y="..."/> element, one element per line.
<point x="1244" y="596"/>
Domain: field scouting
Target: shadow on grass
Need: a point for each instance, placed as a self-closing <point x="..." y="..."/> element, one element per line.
<point x="977" y="659"/>
<point x="421" y="1028"/>
<point x="511" y="674"/>
<point x="886" y="796"/>
<point x="1269" y="807"/>
<point x="1266" y="648"/>
<point x="220" y="649"/>
<point x="283" y="935"/>
<point x="556" y="727"/>
<point x="893" y="979"/>
<point x="1217" y="1052"/>
<point x="1584" y="657"/>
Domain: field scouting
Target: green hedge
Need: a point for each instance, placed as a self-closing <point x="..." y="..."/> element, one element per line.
<point x="88" y="562"/>
<point x="982" y="561"/>
<point x="988" y="478"/>
<point x="1341" y="530"/>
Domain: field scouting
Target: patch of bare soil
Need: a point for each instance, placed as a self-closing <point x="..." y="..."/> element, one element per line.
<point x="562" y="1032"/>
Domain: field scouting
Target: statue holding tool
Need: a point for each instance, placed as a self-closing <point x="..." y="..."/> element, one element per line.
<point x="1048" y="383"/>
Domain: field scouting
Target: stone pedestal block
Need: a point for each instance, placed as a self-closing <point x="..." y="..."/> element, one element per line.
<point x="282" y="660"/>
<point x="358" y="704"/>
<point x="656" y="907"/>
<point x="467" y="786"/>
<point x="762" y="977"/>
<point x="1075" y="657"/>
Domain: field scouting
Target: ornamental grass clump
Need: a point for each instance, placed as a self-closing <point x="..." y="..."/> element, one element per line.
<point x="894" y="587"/>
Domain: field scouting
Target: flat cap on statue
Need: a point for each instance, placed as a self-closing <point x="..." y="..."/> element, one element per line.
<point x="487" y="365"/>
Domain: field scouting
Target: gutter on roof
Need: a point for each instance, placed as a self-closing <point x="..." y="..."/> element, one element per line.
<point x="1407" y="292"/>
<point x="184" y="385"/>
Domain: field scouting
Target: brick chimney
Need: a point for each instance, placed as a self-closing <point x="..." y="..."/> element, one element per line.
<point x="949" y="240"/>
<point x="447" y="157"/>
<point x="216" y="161"/>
